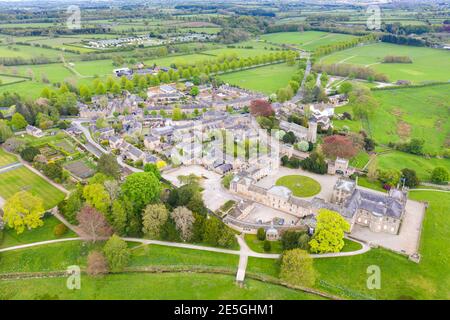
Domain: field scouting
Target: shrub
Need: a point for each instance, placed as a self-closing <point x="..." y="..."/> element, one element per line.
<point x="261" y="234"/>
<point x="439" y="175"/>
<point x="60" y="229"/>
<point x="267" y="246"/>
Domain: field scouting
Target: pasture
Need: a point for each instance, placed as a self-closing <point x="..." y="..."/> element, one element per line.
<point x="408" y="113"/>
<point x="23" y="179"/>
<point x="266" y="79"/>
<point x="28" y="52"/>
<point x="307" y="40"/>
<point x="428" y="64"/>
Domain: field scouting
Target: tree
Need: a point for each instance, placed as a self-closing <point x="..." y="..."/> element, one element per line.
<point x="153" y="168"/>
<point x="226" y="180"/>
<point x="117" y="253"/>
<point x="93" y="223"/>
<point x="141" y="188"/>
<point x="153" y="219"/>
<point x="369" y="144"/>
<point x="289" y="239"/>
<point x="18" y="121"/>
<point x="261" y="108"/>
<point x="194" y="91"/>
<point x="184" y="220"/>
<point x="303" y="146"/>
<point x="29" y="153"/>
<point x="410" y="178"/>
<point x="96" y="195"/>
<point x="261" y="234"/>
<point x="439" y="175"/>
<point x="329" y="233"/>
<point x="267" y="246"/>
<point x="54" y="171"/>
<point x="118" y="217"/>
<point x="297" y="268"/>
<point x="390" y="177"/>
<point x="5" y="131"/>
<point x="345" y="87"/>
<point x="107" y="164"/>
<point x="23" y="210"/>
<point x="289" y="137"/>
<point x="177" y="114"/>
<point x="338" y="146"/>
<point x="70" y="207"/>
<point x="372" y="169"/>
<point x="96" y="264"/>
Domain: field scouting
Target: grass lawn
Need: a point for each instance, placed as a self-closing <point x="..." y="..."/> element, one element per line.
<point x="350" y="245"/>
<point x="408" y="113"/>
<point x="11" y="238"/>
<point x="258" y="246"/>
<point x="150" y="286"/>
<point x="376" y="185"/>
<point x="6" y="158"/>
<point x="428" y="64"/>
<point x="400" y="160"/>
<point x="360" y="160"/>
<point x="23" y="179"/>
<point x="308" y="40"/>
<point x="400" y="278"/>
<point x="301" y="186"/>
<point x="266" y="79"/>
<point x="162" y="255"/>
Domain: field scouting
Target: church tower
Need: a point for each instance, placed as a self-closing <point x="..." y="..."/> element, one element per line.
<point x="312" y="131"/>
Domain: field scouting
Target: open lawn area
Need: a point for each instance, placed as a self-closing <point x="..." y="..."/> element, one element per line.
<point x="258" y="245"/>
<point x="400" y="278"/>
<point x="400" y="160"/>
<point x="24" y="179"/>
<point x="46" y="232"/>
<point x="307" y="40"/>
<point x="408" y="113"/>
<point x="266" y="79"/>
<point x="6" y="158"/>
<point x="427" y="64"/>
<point x="149" y="286"/>
<point x="301" y="186"/>
<point x="28" y="52"/>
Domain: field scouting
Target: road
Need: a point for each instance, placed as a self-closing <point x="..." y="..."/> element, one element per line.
<point x="299" y="95"/>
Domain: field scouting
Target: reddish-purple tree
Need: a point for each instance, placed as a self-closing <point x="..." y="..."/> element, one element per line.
<point x="93" y="223"/>
<point x="261" y="108"/>
<point x="339" y="146"/>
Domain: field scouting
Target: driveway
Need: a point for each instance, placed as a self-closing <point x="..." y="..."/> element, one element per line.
<point x="214" y="195"/>
<point x="327" y="182"/>
<point x="408" y="239"/>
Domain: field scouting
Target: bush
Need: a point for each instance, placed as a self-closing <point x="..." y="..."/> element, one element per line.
<point x="439" y="175"/>
<point x="29" y="153"/>
<point x="267" y="246"/>
<point x="60" y="229"/>
<point x="261" y="234"/>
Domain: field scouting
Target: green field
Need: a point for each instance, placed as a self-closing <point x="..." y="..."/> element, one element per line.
<point x="28" y="52"/>
<point x="150" y="286"/>
<point x="300" y="186"/>
<point x="23" y="179"/>
<point x="6" y="158"/>
<point x="308" y="40"/>
<point x="408" y="113"/>
<point x="400" y="160"/>
<point x="266" y="79"/>
<point x="428" y="64"/>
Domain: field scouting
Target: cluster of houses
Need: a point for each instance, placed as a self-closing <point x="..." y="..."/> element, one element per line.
<point x="378" y="212"/>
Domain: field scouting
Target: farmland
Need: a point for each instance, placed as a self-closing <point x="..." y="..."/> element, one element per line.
<point x="307" y="40"/>
<point x="427" y="64"/>
<point x="266" y="79"/>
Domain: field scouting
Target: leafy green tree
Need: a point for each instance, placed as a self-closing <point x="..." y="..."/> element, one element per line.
<point x="177" y="114"/>
<point x="267" y="246"/>
<point x="439" y="175"/>
<point x="18" y="121"/>
<point x="141" y="188"/>
<point x="261" y="234"/>
<point x="153" y="168"/>
<point x="108" y="165"/>
<point x="29" y="153"/>
<point x="390" y="177"/>
<point x="154" y="218"/>
<point x="297" y="268"/>
<point x="70" y="207"/>
<point x="23" y="210"/>
<point x="329" y="233"/>
<point x="5" y="131"/>
<point x="194" y="91"/>
<point x="118" y="217"/>
<point x="117" y="253"/>
<point x="96" y="195"/>
<point x="410" y="177"/>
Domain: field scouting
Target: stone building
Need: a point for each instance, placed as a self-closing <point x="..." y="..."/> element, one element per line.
<point x="302" y="133"/>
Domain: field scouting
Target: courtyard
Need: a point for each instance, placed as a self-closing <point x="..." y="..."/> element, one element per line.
<point x="214" y="194"/>
<point x="301" y="186"/>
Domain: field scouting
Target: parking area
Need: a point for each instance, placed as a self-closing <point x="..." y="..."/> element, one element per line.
<point x="265" y="215"/>
<point x="214" y="195"/>
<point x="408" y="239"/>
